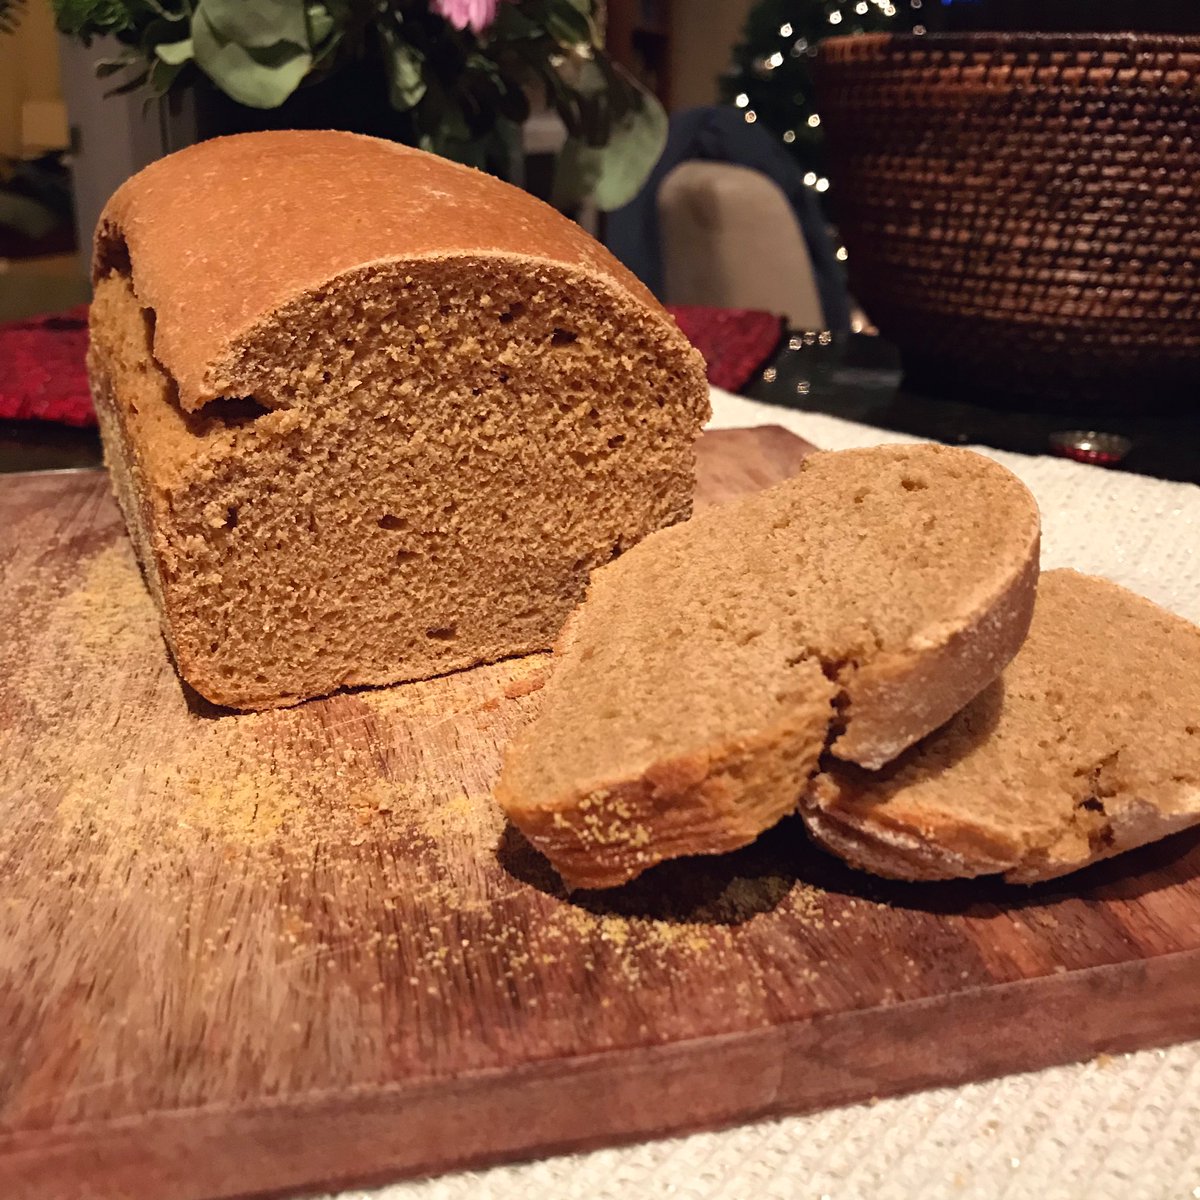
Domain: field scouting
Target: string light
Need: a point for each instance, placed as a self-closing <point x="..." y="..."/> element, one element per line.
<point x="741" y="99"/>
<point x="814" y="121"/>
<point x="776" y="60"/>
<point x="862" y="8"/>
<point x="810" y="179"/>
<point x="835" y="18"/>
<point x="789" y="136"/>
<point x="841" y="254"/>
<point x="822" y="185"/>
<point x="785" y="31"/>
<point x="751" y="116"/>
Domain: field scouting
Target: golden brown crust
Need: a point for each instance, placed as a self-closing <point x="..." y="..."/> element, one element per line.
<point x="713" y="801"/>
<point x="901" y="696"/>
<point x="1088" y="745"/>
<point x="223" y="234"/>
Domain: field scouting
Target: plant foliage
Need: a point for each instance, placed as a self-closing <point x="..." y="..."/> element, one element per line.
<point x="458" y="93"/>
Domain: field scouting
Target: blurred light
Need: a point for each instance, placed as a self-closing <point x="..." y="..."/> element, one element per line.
<point x="822" y="185"/>
<point x="810" y="179"/>
<point x="751" y="116"/>
<point x="776" y="60"/>
<point x="741" y="99"/>
<point x="814" y="121"/>
<point x="889" y="10"/>
<point x="795" y="342"/>
<point x="861" y="8"/>
<point x="915" y="3"/>
<point x="835" y="18"/>
<point x="803" y="387"/>
<point x="785" y="31"/>
<point x="919" y="30"/>
<point x="841" y="254"/>
<point x="789" y="136"/>
<point x="769" y="375"/>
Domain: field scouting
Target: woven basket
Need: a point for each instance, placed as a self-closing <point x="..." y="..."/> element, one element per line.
<point x="1022" y="211"/>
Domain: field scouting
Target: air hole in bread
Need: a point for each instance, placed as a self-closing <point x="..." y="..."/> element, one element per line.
<point x="231" y="517"/>
<point x="389" y="521"/>
<point x="616" y="440"/>
<point x="914" y="485"/>
<point x="403" y="556"/>
<point x="233" y="410"/>
<point x="442" y="633"/>
<point x="563" y="337"/>
<point x="861" y="495"/>
<point x="512" y="313"/>
<point x="112" y="257"/>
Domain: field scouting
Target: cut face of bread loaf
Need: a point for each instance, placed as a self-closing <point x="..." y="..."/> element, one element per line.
<point x="372" y="416"/>
<point x="851" y="609"/>
<point x="1087" y="745"/>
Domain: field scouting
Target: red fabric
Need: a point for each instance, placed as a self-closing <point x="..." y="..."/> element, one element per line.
<point x="735" y="342"/>
<point x="42" y="375"/>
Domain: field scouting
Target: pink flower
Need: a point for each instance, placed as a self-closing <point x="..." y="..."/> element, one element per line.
<point x="477" y="14"/>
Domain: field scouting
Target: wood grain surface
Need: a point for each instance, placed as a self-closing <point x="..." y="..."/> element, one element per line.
<point x="265" y="954"/>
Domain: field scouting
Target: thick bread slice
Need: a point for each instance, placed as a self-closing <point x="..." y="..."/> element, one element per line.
<point x="370" y="415"/>
<point x="855" y="607"/>
<point x="1087" y="745"/>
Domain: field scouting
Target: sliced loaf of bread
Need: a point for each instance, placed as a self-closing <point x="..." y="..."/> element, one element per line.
<point x="370" y="415"/>
<point x="853" y="608"/>
<point x="1087" y="745"/>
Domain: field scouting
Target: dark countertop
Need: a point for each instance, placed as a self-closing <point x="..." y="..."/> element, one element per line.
<point x="861" y="380"/>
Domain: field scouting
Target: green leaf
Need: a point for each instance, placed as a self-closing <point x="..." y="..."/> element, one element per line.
<point x="162" y="75"/>
<point x="611" y="175"/>
<point x="261" y="77"/>
<point x="320" y="24"/>
<point x="567" y="24"/>
<point x="258" y="24"/>
<point x="405" y="68"/>
<point x="113" y="66"/>
<point x="174" y="54"/>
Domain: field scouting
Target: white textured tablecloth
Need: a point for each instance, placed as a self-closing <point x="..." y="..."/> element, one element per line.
<point x="1126" y="1128"/>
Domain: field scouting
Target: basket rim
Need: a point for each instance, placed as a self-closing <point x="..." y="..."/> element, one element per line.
<point x="1014" y="41"/>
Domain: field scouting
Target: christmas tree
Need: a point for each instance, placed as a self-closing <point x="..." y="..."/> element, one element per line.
<point x="770" y="81"/>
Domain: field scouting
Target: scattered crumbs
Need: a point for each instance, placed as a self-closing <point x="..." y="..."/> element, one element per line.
<point x="392" y="785"/>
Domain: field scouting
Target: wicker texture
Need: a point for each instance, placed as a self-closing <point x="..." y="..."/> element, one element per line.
<point x="1022" y="211"/>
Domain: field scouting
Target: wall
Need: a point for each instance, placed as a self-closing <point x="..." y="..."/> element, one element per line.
<point x="28" y="71"/>
<point x="703" y="32"/>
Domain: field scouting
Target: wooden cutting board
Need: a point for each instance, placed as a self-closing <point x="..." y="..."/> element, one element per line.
<point x="281" y="952"/>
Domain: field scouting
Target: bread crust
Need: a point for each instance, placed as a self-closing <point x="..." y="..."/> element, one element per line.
<point x="960" y="805"/>
<point x="192" y="227"/>
<point x="898" y="698"/>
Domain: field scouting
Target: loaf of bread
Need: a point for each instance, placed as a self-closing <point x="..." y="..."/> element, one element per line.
<point x="1087" y="745"/>
<point x="852" y="609"/>
<point x="370" y="415"/>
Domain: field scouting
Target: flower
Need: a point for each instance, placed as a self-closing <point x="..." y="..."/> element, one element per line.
<point x="477" y="14"/>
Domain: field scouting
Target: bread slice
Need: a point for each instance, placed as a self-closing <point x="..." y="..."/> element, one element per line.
<point x="853" y="608"/>
<point x="370" y="415"/>
<point x="1087" y="745"/>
